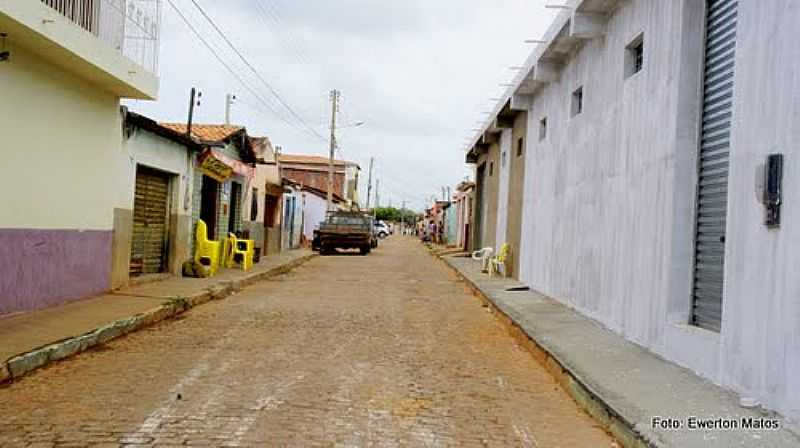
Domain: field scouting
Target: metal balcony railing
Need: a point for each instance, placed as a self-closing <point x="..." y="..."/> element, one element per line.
<point x="132" y="27"/>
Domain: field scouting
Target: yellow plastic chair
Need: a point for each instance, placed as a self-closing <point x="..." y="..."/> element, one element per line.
<point x="207" y="252"/>
<point x="495" y="263"/>
<point x="239" y="252"/>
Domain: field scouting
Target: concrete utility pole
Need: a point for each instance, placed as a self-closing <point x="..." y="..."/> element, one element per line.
<point x="403" y="218"/>
<point x="334" y="108"/>
<point x="229" y="100"/>
<point x="377" y="193"/>
<point x="369" y="181"/>
<point x="448" y="194"/>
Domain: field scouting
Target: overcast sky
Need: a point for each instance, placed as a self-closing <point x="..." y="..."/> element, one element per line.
<point x="417" y="72"/>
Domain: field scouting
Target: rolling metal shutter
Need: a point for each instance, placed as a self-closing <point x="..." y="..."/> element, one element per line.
<point x="712" y="200"/>
<point x="150" y="219"/>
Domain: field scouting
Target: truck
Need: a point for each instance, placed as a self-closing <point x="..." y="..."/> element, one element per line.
<point x="345" y="230"/>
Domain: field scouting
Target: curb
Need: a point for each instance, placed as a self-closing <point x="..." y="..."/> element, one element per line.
<point x="21" y="365"/>
<point x="623" y="430"/>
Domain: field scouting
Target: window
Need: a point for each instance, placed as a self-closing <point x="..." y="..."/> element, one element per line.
<point x="520" y="146"/>
<point x="577" y="101"/>
<point x="634" y="56"/>
<point x="491" y="168"/>
<point x="542" y="129"/>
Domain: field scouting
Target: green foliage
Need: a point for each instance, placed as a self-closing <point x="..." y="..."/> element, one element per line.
<point x="395" y="214"/>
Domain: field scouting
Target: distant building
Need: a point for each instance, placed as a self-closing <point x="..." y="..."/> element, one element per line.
<point x="312" y="171"/>
<point x="315" y="209"/>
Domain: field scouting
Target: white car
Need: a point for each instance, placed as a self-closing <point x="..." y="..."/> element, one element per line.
<point x="382" y="229"/>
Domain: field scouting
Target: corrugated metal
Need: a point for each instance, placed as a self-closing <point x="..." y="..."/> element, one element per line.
<point x="712" y="201"/>
<point x="150" y="219"/>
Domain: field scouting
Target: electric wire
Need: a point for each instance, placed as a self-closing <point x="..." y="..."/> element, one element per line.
<point x="272" y="90"/>
<point x="233" y="73"/>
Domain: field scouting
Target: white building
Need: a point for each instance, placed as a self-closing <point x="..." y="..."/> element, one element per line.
<point x="156" y="184"/>
<point x="64" y="66"/>
<point x="650" y="125"/>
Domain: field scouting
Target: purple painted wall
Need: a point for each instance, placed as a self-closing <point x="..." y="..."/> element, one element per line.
<point x="41" y="268"/>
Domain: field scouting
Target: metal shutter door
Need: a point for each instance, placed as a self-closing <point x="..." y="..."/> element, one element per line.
<point x="712" y="200"/>
<point x="148" y="248"/>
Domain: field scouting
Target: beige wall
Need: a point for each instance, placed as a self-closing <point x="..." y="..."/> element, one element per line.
<point x="36" y="28"/>
<point x="61" y="136"/>
<point x="488" y="227"/>
<point x="515" y="191"/>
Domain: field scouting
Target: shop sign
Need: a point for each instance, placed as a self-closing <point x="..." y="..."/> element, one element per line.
<point x="214" y="168"/>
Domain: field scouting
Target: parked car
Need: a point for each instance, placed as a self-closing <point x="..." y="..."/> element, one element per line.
<point x="345" y="230"/>
<point x="382" y="229"/>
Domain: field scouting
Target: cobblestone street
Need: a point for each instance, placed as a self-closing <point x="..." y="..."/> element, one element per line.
<point x="384" y="350"/>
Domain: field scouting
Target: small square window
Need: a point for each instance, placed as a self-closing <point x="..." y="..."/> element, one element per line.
<point x="542" y="129"/>
<point x="577" y="101"/>
<point x="520" y="146"/>
<point x="634" y="56"/>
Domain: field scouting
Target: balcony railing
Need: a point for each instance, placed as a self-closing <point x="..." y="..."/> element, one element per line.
<point x="132" y="27"/>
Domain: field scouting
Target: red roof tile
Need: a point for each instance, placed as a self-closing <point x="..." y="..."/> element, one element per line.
<point x="206" y="132"/>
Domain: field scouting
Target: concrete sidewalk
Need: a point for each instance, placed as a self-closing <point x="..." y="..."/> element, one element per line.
<point x="31" y="340"/>
<point x="619" y="383"/>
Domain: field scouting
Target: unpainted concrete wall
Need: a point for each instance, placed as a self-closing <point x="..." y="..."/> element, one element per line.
<point x="515" y="192"/>
<point x="609" y="200"/>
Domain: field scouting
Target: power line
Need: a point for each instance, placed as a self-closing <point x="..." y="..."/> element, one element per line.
<point x="257" y="73"/>
<point x="233" y="73"/>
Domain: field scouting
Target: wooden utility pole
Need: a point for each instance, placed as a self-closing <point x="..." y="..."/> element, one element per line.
<point x="194" y="99"/>
<point x="369" y="181"/>
<point x="334" y="108"/>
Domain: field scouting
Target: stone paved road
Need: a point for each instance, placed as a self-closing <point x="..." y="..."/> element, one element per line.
<point x="384" y="350"/>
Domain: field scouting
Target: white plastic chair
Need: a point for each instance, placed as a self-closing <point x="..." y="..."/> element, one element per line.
<point x="484" y="256"/>
<point x="497" y="264"/>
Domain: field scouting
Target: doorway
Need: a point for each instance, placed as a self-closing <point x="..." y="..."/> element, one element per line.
<point x="209" y="194"/>
<point x="480" y="185"/>
<point x="149" y="244"/>
<point x="236" y="207"/>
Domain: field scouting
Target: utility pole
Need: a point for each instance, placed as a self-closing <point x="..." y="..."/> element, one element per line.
<point x="229" y="100"/>
<point x="403" y="218"/>
<point x="369" y="182"/>
<point x="334" y="108"/>
<point x="444" y="195"/>
<point x="377" y="193"/>
<point x="194" y="99"/>
<point x="448" y="194"/>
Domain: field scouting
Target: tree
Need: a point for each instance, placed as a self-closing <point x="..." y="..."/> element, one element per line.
<point x="395" y="214"/>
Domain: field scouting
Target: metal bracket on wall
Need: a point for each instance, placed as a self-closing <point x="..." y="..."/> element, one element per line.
<point x="773" y="191"/>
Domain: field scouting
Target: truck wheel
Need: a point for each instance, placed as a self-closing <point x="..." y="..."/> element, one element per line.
<point x="365" y="250"/>
<point x="324" y="250"/>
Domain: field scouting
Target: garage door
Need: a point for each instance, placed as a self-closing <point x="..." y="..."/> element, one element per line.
<point x="150" y="222"/>
<point x="712" y="200"/>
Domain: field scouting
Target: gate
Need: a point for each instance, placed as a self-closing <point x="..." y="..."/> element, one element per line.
<point x="712" y="189"/>
<point x="150" y="222"/>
